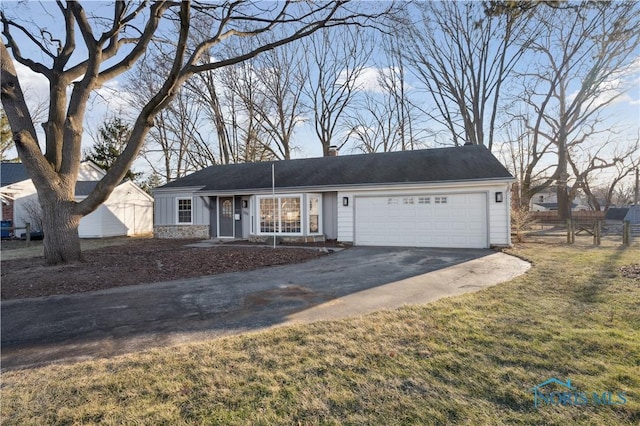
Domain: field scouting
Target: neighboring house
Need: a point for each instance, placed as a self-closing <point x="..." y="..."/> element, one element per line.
<point x="618" y="215"/>
<point x="547" y="200"/>
<point x="446" y="197"/>
<point x="127" y="211"/>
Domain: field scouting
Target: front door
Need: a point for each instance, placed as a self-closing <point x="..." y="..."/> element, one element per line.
<point x="226" y="216"/>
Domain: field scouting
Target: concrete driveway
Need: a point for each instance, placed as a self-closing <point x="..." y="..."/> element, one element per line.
<point x="351" y="282"/>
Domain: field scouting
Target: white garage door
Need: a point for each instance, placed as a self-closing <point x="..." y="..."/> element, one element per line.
<point x="447" y="220"/>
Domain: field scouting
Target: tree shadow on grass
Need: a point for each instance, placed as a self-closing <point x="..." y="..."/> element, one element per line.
<point x="590" y="291"/>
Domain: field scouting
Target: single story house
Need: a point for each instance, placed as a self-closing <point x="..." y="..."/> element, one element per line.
<point x="127" y="211"/>
<point x="445" y="197"/>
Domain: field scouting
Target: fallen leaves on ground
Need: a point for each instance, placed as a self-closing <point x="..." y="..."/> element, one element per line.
<point x="138" y="262"/>
<point x="631" y="271"/>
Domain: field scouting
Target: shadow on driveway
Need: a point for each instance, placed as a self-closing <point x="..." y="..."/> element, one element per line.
<point x="351" y="282"/>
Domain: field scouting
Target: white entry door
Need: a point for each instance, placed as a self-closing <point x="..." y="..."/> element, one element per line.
<point x="446" y="220"/>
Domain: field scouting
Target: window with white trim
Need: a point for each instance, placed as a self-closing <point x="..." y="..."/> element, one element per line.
<point x="185" y="210"/>
<point x="281" y="214"/>
<point x="313" y="202"/>
<point x="424" y="200"/>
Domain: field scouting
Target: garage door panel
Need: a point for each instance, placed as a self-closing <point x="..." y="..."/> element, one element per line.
<point x="457" y="220"/>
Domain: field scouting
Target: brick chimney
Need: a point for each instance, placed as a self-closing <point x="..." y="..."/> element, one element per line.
<point x="333" y="151"/>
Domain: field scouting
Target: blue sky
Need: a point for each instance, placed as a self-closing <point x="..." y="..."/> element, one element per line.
<point x="624" y="114"/>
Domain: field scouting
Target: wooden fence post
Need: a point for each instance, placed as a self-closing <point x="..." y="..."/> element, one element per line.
<point x="626" y="233"/>
<point x="571" y="232"/>
<point x="596" y="233"/>
<point x="28" y="229"/>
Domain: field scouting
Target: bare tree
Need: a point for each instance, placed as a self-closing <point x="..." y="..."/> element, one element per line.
<point x="207" y="90"/>
<point x="280" y="75"/>
<point x="383" y="119"/>
<point x="110" y="46"/>
<point x="335" y="61"/>
<point x="175" y="145"/>
<point x="463" y="56"/>
<point x="529" y="157"/>
<point x="395" y="84"/>
<point x="600" y="173"/>
<point x="373" y="124"/>
<point x="33" y="213"/>
<point x="244" y="102"/>
<point x="581" y="69"/>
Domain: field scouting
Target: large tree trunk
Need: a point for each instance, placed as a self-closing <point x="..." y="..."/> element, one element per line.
<point x="60" y="227"/>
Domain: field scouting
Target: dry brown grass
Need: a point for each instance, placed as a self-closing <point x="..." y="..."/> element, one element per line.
<point x="471" y="359"/>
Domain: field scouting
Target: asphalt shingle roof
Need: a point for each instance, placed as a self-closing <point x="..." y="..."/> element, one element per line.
<point x="84" y="188"/>
<point x="616" y="213"/>
<point x="11" y="173"/>
<point x="428" y="165"/>
<point x="553" y="206"/>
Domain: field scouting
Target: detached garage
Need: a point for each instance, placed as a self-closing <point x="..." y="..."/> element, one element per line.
<point x="127" y="211"/>
<point x="446" y="197"/>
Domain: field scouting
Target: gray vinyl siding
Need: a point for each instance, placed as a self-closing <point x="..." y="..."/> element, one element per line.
<point x="165" y="208"/>
<point x="164" y="212"/>
<point x="330" y="215"/>
<point x="237" y="210"/>
<point x="213" y="217"/>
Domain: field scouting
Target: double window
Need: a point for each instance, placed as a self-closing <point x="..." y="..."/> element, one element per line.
<point x="286" y="214"/>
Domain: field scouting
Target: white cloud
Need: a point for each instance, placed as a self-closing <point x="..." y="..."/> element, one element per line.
<point x="36" y="91"/>
<point x="114" y="98"/>
<point x="369" y="79"/>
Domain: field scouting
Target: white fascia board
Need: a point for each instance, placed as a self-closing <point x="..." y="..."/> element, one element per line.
<point x="136" y="188"/>
<point x="364" y="187"/>
<point x="182" y="189"/>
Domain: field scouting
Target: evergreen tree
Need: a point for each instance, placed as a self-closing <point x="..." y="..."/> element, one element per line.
<point x="110" y="142"/>
<point x="6" y="137"/>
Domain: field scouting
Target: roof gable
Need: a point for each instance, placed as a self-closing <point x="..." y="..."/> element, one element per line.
<point x="11" y="173"/>
<point x="616" y="213"/>
<point x="419" y="166"/>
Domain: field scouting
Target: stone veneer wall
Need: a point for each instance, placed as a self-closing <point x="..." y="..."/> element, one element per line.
<point x="181" y="231"/>
<point x="287" y="239"/>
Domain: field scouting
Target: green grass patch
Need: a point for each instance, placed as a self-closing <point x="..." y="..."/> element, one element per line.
<point x="471" y="359"/>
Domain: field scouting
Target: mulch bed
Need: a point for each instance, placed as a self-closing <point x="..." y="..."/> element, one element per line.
<point x="138" y="262"/>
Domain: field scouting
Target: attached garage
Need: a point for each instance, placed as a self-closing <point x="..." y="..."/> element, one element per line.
<point x="438" y="220"/>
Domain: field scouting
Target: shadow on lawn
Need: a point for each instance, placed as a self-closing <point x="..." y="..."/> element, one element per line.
<point x="590" y="291"/>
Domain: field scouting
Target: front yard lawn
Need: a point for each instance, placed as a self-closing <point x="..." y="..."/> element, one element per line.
<point x="471" y="359"/>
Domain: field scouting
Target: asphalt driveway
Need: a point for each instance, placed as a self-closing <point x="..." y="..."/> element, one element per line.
<point x="351" y="282"/>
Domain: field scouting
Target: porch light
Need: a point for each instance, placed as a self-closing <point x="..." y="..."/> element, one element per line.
<point x="498" y="197"/>
<point x="345" y="201"/>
